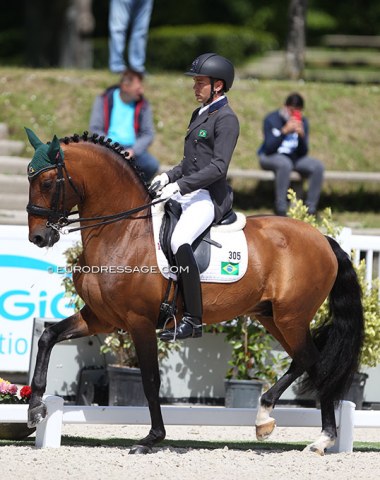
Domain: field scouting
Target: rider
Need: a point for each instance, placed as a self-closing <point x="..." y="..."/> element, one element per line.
<point x="199" y="182"/>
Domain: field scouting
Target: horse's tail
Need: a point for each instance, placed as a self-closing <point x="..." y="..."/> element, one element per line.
<point x="339" y="339"/>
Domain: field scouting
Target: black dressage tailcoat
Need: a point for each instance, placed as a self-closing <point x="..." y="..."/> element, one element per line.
<point x="209" y="143"/>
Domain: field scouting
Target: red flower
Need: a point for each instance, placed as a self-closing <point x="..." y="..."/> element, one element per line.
<point x="26" y="392"/>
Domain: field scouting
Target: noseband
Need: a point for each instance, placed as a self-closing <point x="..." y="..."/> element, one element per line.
<point x="57" y="215"/>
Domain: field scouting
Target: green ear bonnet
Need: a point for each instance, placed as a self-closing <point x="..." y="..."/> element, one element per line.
<point x="46" y="156"/>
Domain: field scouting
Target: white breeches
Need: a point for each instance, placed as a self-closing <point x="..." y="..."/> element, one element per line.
<point x="197" y="214"/>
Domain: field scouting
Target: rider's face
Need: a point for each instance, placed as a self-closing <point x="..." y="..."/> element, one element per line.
<point x="202" y="88"/>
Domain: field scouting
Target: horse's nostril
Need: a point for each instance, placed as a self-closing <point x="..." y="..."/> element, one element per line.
<point x="38" y="240"/>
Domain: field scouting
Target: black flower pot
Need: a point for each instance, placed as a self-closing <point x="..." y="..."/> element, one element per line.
<point x="242" y="393"/>
<point x="125" y="386"/>
<point x="15" y="431"/>
<point x="356" y="391"/>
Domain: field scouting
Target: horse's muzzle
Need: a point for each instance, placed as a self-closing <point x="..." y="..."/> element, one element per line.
<point x="44" y="237"/>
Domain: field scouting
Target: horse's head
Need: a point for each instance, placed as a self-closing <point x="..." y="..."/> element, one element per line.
<point x="49" y="200"/>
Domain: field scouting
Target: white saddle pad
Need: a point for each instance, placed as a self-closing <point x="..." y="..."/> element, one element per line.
<point x="227" y="264"/>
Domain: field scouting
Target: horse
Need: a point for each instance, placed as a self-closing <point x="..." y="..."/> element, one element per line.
<point x="292" y="269"/>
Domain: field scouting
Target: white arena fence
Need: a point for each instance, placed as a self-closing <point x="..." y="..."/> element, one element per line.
<point x="48" y="433"/>
<point x="365" y="247"/>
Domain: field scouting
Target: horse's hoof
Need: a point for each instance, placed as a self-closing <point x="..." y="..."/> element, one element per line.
<point x="36" y="415"/>
<point x="314" y="449"/>
<point x="264" y="431"/>
<point x="140" y="450"/>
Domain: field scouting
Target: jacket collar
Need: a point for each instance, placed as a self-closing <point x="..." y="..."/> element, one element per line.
<point x="197" y="120"/>
<point x="217" y="105"/>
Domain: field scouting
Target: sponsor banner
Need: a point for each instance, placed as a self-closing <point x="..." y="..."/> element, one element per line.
<point x="30" y="286"/>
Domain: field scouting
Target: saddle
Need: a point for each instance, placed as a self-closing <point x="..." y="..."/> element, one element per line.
<point x="201" y="248"/>
<point x="201" y="245"/>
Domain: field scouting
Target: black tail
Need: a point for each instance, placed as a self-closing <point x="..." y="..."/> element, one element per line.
<point x="339" y="339"/>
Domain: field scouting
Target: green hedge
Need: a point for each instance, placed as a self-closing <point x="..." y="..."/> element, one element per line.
<point x="174" y="48"/>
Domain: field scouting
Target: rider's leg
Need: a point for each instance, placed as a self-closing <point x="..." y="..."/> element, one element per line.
<point x="190" y="285"/>
<point x="197" y="215"/>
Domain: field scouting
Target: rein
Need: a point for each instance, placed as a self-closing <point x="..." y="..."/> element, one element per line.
<point x="64" y="221"/>
<point x="57" y="218"/>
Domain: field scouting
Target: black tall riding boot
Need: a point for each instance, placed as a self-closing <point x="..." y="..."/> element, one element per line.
<point x="190" y="285"/>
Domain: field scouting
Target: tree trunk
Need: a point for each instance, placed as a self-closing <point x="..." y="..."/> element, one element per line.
<point x="76" y="50"/>
<point x="295" y="50"/>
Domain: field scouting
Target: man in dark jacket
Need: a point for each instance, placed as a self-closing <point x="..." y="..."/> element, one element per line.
<point x="285" y="148"/>
<point x="124" y="115"/>
<point x="199" y="182"/>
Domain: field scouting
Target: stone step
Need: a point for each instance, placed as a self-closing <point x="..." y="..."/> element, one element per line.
<point x="14" y="184"/>
<point x="11" y="147"/>
<point x="13" y="201"/>
<point x="13" y="217"/>
<point x="13" y="165"/>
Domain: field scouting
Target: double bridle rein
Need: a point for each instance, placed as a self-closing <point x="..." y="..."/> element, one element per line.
<point x="58" y="216"/>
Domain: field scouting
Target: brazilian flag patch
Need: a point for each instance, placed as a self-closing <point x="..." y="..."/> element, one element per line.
<point x="229" y="268"/>
<point x="202" y="133"/>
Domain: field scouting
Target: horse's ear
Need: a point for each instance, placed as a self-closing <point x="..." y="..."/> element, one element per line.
<point x="53" y="150"/>
<point x="33" y="139"/>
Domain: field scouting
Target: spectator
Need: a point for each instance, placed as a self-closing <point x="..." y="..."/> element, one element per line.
<point x="285" y="148"/>
<point x="124" y="115"/>
<point x="132" y="15"/>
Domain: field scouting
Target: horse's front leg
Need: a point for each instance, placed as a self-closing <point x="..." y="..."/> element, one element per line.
<point x="145" y="341"/>
<point x="71" y="327"/>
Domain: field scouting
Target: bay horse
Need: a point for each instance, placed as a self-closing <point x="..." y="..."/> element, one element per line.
<point x="292" y="269"/>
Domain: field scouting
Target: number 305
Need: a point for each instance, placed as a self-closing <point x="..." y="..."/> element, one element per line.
<point x="234" y="255"/>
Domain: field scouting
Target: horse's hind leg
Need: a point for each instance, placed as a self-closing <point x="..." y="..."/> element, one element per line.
<point x="328" y="435"/>
<point x="301" y="348"/>
<point x="71" y="327"/>
<point x="265" y="424"/>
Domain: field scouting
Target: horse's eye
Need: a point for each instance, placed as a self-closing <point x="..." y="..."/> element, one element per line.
<point x="46" y="185"/>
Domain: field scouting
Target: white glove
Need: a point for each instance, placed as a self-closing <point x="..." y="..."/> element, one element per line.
<point x="158" y="182"/>
<point x="169" y="190"/>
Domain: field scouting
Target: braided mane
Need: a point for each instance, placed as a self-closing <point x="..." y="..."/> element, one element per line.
<point x="107" y="142"/>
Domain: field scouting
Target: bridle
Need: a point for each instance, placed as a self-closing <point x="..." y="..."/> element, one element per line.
<point x="57" y="213"/>
<point x="58" y="216"/>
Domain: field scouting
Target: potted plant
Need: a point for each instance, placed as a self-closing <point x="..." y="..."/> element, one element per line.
<point x="255" y="363"/>
<point x="125" y="384"/>
<point x="10" y="395"/>
<point x="370" y="355"/>
<point x="124" y="376"/>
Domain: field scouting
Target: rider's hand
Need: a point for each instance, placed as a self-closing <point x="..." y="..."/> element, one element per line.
<point x="158" y="183"/>
<point x="169" y="190"/>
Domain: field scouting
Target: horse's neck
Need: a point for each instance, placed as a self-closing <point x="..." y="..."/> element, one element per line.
<point x="109" y="183"/>
<point x="109" y="186"/>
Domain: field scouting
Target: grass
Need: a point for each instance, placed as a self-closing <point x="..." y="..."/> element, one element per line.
<point x="344" y="123"/>
<point x="191" y="444"/>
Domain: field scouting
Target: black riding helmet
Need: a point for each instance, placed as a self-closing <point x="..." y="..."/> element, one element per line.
<point x="214" y="66"/>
